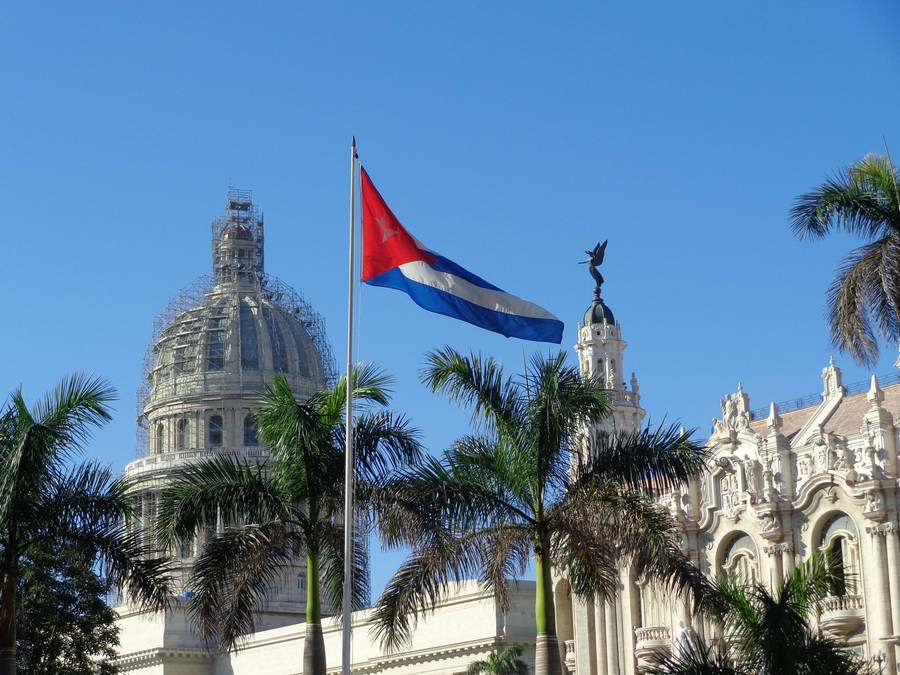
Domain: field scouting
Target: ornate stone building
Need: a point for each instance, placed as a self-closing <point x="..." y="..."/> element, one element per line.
<point x="814" y="474"/>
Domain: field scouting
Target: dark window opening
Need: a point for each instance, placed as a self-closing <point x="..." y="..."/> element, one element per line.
<point x="215" y="430"/>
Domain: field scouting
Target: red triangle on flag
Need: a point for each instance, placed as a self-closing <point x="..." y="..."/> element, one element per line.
<point x="386" y="243"/>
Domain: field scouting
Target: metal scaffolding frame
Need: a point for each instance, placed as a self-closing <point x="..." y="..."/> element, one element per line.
<point x="187" y="314"/>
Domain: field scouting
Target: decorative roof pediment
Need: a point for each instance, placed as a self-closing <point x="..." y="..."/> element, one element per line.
<point x="734" y="427"/>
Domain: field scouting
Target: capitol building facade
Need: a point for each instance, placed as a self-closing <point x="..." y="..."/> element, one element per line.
<point x="785" y="481"/>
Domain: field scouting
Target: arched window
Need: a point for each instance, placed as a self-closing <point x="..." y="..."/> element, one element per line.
<point x="160" y="438"/>
<point x="183" y="440"/>
<point x="250" y="431"/>
<point x="741" y="559"/>
<point x="215" y="430"/>
<point x="840" y="543"/>
<point x="655" y="610"/>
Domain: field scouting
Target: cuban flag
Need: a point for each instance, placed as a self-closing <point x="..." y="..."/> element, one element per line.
<point x="395" y="259"/>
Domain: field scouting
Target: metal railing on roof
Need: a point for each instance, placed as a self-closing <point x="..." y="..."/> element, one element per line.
<point x="815" y="399"/>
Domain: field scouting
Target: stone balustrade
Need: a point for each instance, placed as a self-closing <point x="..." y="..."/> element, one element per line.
<point x="842" y="615"/>
<point x="170" y="460"/>
<point x="651" y="643"/>
<point x="569" y="661"/>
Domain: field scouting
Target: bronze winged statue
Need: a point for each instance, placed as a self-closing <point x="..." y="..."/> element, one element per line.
<point x="595" y="259"/>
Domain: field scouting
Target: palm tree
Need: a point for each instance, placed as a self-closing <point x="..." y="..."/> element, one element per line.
<point x="769" y="633"/>
<point x="506" y="662"/>
<point x="864" y="298"/>
<point x="291" y="506"/>
<point x="47" y="504"/>
<point x="501" y="496"/>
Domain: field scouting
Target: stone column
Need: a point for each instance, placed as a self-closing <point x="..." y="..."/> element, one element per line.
<point x="893" y="565"/>
<point x="684" y="613"/>
<point x="879" y="597"/>
<point x="582" y="633"/>
<point x="787" y="558"/>
<point x="600" y="634"/>
<point x="612" y="637"/>
<point x="776" y="565"/>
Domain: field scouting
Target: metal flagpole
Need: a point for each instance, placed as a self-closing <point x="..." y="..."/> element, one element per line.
<point x="348" y="454"/>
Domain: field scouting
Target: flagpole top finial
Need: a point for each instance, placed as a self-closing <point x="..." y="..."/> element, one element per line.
<point x="354" y="141"/>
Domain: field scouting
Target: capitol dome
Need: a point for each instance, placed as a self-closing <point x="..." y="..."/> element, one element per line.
<point x="218" y="344"/>
<point x="234" y="340"/>
<point x="229" y="334"/>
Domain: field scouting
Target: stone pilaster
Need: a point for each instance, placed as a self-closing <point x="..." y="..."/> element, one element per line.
<point x="893" y="564"/>
<point x="879" y="600"/>
<point x="600" y="634"/>
<point x="776" y="564"/>
<point x="612" y="637"/>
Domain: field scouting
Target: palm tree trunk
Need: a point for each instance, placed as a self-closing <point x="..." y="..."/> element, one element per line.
<point x="314" y="643"/>
<point x="313" y="649"/>
<point x="546" y="649"/>
<point x="8" y="624"/>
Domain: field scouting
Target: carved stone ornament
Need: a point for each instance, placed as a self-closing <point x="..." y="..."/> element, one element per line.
<point x="735" y="413"/>
<point x="874" y="501"/>
<point x="769" y="522"/>
<point x="831" y="378"/>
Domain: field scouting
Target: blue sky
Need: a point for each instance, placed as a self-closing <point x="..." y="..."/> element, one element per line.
<point x="508" y="136"/>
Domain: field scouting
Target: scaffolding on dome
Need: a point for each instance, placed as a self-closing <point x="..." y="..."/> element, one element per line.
<point x="192" y="306"/>
<point x="240" y="212"/>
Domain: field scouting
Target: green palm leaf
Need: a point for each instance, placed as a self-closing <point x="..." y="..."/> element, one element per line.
<point x="864" y="201"/>
<point x="49" y="505"/>
<point x="768" y="632"/>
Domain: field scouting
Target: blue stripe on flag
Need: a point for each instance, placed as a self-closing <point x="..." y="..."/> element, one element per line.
<point x="541" y="328"/>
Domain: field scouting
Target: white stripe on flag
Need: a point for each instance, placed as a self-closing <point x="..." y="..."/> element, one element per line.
<point x="423" y="273"/>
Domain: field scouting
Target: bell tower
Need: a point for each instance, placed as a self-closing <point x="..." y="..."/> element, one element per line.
<point x="601" y="351"/>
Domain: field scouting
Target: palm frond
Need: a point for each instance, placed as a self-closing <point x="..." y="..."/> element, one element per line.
<point x="382" y="442"/>
<point x="234" y="575"/>
<point x="219" y="486"/>
<point x="126" y="558"/>
<point x="371" y="384"/>
<point x="562" y="402"/>
<point x="691" y="656"/>
<point x="448" y="495"/>
<point x="417" y="587"/>
<point x="40" y="440"/>
<point x="497" y="465"/>
<point x="772" y="633"/>
<point x="506" y="662"/>
<point x="653" y="460"/>
<point x="505" y="555"/>
<point x="864" y="288"/>
<point x="294" y="431"/>
<point x="85" y="513"/>
<point x="474" y="382"/>
<point x="332" y="566"/>
<point x="603" y="525"/>
<point x="822" y="655"/>
<point x="87" y="494"/>
<point x="860" y="200"/>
